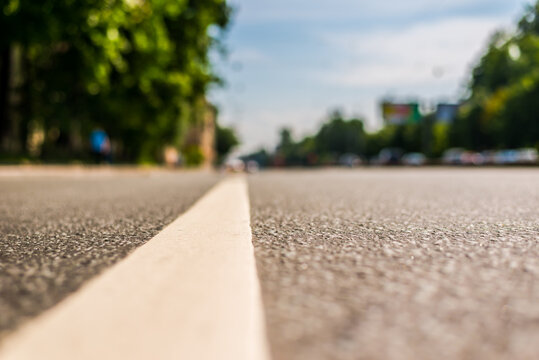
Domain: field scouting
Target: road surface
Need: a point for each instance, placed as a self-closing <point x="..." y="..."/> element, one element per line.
<point x="399" y="264"/>
<point x="353" y="264"/>
<point x="58" y="229"/>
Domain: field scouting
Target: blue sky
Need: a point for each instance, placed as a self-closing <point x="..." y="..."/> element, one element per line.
<point x="291" y="61"/>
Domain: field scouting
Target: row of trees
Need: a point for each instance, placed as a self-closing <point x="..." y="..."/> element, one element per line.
<point x="502" y="108"/>
<point x="500" y="111"/>
<point x="139" y="69"/>
<point x="344" y="136"/>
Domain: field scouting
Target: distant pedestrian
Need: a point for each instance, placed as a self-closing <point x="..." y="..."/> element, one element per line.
<point x="100" y="146"/>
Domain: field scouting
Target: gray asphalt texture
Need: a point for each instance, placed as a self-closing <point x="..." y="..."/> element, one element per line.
<point x="399" y="263"/>
<point x="56" y="232"/>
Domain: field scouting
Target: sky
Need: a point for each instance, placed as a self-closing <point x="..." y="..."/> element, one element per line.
<point x="290" y="62"/>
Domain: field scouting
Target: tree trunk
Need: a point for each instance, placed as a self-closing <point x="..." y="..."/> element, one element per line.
<point x="26" y="102"/>
<point x="5" y="72"/>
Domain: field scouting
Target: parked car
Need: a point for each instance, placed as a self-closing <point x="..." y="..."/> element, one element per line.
<point x="349" y="160"/>
<point x="471" y="158"/>
<point x="528" y="156"/>
<point x="414" y="159"/>
<point x="234" y="165"/>
<point x="489" y="157"/>
<point x="252" y="167"/>
<point x="452" y="156"/>
<point x="389" y="156"/>
<point x="506" y="157"/>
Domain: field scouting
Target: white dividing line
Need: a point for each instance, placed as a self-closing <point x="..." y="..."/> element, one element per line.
<point x="191" y="292"/>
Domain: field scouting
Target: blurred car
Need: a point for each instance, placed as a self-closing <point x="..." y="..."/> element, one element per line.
<point x="234" y="165"/>
<point x="389" y="156"/>
<point x="349" y="160"/>
<point x="452" y="156"/>
<point x="471" y="158"/>
<point x="414" y="159"/>
<point x="252" y="167"/>
<point x="506" y="157"/>
<point x="489" y="157"/>
<point x="528" y="156"/>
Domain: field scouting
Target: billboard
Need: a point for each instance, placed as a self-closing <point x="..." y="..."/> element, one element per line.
<point x="400" y="114"/>
<point x="446" y="112"/>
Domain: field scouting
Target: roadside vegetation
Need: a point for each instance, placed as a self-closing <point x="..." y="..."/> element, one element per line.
<point x="498" y="112"/>
<point x="138" y="69"/>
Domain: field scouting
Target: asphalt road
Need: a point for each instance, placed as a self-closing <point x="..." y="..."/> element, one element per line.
<point x="60" y="228"/>
<point x="354" y="264"/>
<point x="399" y="263"/>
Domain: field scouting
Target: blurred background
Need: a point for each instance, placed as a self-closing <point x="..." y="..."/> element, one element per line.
<point x="270" y="83"/>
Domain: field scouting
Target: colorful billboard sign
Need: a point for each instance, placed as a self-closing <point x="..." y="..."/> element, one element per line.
<point x="400" y="114"/>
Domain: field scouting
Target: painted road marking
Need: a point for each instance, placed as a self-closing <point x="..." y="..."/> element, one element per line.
<point x="191" y="292"/>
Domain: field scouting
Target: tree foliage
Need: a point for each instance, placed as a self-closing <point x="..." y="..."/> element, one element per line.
<point x="226" y="140"/>
<point x="501" y="111"/>
<point x="138" y="68"/>
<point x="336" y="137"/>
<point x="339" y="136"/>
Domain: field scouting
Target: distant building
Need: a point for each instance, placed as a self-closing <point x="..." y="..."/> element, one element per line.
<point x="207" y="135"/>
<point x="447" y="113"/>
<point x="202" y="134"/>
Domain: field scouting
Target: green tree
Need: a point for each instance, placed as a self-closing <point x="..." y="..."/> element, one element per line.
<point x="226" y="140"/>
<point x="139" y="69"/>
<point x="339" y="136"/>
<point x="286" y="152"/>
<point x="501" y="109"/>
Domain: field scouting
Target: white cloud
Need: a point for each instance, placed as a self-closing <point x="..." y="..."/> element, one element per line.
<point x="429" y="60"/>
<point x="409" y="57"/>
